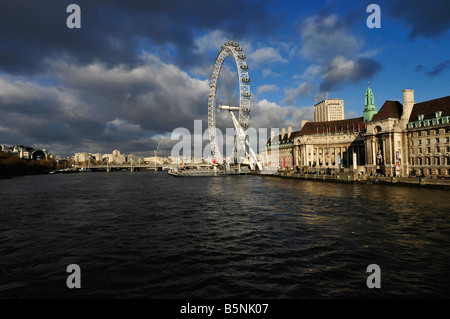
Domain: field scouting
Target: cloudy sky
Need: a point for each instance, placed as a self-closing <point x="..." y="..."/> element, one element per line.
<point x="137" y="70"/>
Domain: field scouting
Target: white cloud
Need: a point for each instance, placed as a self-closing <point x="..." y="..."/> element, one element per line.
<point x="268" y="72"/>
<point x="304" y="90"/>
<point x="211" y="41"/>
<point x="313" y="72"/>
<point x="324" y="37"/>
<point x="266" y="114"/>
<point x="266" y="55"/>
<point x="267" y="88"/>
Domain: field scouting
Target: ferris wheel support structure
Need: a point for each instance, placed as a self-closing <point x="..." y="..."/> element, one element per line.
<point x="239" y="131"/>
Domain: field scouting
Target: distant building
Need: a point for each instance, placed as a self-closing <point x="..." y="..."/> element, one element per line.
<point x="26" y="152"/>
<point x="329" y="110"/>
<point x="82" y="157"/>
<point x="98" y="157"/>
<point x="153" y="160"/>
<point x="115" y="157"/>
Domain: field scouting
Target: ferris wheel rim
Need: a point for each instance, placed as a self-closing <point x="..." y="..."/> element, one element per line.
<point x="229" y="48"/>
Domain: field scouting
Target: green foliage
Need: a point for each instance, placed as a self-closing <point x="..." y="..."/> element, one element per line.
<point x="11" y="165"/>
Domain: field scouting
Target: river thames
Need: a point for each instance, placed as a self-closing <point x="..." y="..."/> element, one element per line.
<point x="151" y="235"/>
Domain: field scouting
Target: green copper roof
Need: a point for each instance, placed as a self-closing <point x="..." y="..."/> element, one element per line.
<point x="369" y="109"/>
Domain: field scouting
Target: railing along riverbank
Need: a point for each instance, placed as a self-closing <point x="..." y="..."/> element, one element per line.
<point x="355" y="178"/>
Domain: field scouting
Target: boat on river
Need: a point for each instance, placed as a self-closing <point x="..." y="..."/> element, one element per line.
<point x="213" y="170"/>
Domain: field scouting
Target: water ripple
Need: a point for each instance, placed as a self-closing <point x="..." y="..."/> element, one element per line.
<point x="149" y="235"/>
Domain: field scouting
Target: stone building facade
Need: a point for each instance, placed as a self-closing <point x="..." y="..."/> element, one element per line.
<point x="330" y="145"/>
<point x="428" y="134"/>
<point x="386" y="140"/>
<point x="409" y="139"/>
<point x="283" y="144"/>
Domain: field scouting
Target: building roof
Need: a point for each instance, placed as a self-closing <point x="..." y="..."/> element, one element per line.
<point x="390" y="109"/>
<point x="285" y="137"/>
<point x="428" y="109"/>
<point x="340" y="126"/>
<point x="328" y="127"/>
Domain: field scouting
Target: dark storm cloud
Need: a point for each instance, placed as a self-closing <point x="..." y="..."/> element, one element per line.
<point x="116" y="31"/>
<point x="96" y="108"/>
<point x="437" y="69"/>
<point x="341" y="71"/>
<point x="339" y="55"/>
<point x="426" y="18"/>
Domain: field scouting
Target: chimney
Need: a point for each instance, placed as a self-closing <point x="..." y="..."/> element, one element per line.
<point x="272" y="135"/>
<point x="283" y="131"/>
<point x="289" y="131"/>
<point x="408" y="103"/>
<point x="303" y="123"/>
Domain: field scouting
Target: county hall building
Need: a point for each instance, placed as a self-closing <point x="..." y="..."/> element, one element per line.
<point x="401" y="139"/>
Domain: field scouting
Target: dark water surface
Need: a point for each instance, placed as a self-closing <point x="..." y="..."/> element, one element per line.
<point x="151" y="235"/>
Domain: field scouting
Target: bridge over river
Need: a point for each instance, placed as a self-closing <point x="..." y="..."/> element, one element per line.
<point x="131" y="167"/>
<point x="124" y="167"/>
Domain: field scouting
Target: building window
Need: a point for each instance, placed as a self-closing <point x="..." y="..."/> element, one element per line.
<point x="428" y="132"/>
<point x="438" y="150"/>
<point x="428" y="150"/>
<point x="447" y="139"/>
<point x="420" y="150"/>
<point x="419" y="133"/>
<point x="420" y="142"/>
<point x="437" y="131"/>
<point x="437" y="140"/>
<point x="428" y="141"/>
<point x="438" y="161"/>
<point x="438" y="171"/>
